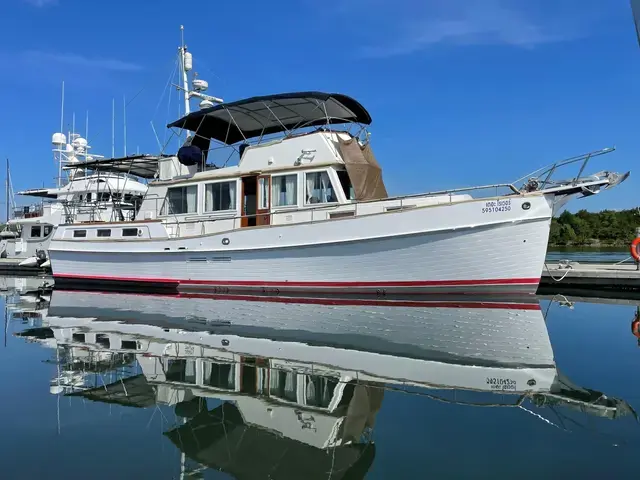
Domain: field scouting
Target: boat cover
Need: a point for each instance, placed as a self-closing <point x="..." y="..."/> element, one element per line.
<point x="364" y="171"/>
<point x="258" y="116"/>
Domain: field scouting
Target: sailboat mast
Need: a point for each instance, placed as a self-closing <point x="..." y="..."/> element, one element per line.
<point x="7" y="190"/>
<point x="113" y="128"/>
<point x="61" y="129"/>
<point x="124" y="118"/>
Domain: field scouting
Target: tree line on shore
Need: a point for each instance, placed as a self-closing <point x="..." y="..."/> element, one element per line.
<point x="605" y="228"/>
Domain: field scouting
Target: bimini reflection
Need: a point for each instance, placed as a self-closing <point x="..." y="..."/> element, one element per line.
<point x="284" y="381"/>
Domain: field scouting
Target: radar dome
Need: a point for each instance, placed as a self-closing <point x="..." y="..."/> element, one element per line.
<point x="206" y="104"/>
<point x="56" y="389"/>
<point x="188" y="61"/>
<point x="79" y="142"/>
<point x="200" y="85"/>
<point x="59" y="139"/>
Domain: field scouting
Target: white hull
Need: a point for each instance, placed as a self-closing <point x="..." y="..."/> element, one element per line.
<point x="451" y="247"/>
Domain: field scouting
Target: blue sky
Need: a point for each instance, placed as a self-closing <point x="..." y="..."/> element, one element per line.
<point x="461" y="92"/>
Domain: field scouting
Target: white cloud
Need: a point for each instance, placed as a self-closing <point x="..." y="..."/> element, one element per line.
<point x="407" y="26"/>
<point x="41" y="3"/>
<point x="79" y="61"/>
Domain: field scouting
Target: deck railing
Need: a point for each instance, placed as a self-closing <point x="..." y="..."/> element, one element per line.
<point x="323" y="212"/>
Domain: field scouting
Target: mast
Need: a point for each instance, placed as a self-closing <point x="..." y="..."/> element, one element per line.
<point x="185" y="66"/>
<point x="113" y="128"/>
<point x="124" y="114"/>
<point x="61" y="130"/>
<point x="7" y="190"/>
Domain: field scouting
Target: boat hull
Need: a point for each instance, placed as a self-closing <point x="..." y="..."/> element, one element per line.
<point x="441" y="249"/>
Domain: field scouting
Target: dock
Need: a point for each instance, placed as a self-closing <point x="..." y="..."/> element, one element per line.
<point x="604" y="277"/>
<point x="11" y="266"/>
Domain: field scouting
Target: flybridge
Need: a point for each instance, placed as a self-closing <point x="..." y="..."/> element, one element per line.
<point x="253" y="117"/>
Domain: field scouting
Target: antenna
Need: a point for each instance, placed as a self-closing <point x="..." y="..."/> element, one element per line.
<point x="124" y="114"/>
<point x="86" y="128"/>
<point x="62" y="109"/>
<point x="113" y="128"/>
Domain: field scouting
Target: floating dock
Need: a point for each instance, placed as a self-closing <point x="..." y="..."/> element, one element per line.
<point x="11" y="266"/>
<point x="604" y="277"/>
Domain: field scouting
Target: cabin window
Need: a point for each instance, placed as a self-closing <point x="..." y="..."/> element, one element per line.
<point x="129" y="232"/>
<point x="345" y="183"/>
<point x="79" y="233"/>
<point x="182" y="200"/>
<point x="284" y="190"/>
<point x="103" y="196"/>
<point x="36" y="230"/>
<point x="180" y="370"/>
<point x="284" y="384"/>
<point x="319" y="390"/>
<point x="263" y="189"/>
<point x="88" y="197"/>
<point x="104" y="232"/>
<point x="219" y="375"/>
<point x="319" y="188"/>
<point x="47" y="230"/>
<point x="220" y="196"/>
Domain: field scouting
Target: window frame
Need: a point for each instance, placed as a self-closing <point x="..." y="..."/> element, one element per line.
<point x="331" y="185"/>
<point x="234" y="208"/>
<point x="130" y="230"/>
<point x="296" y="198"/>
<point x="39" y="227"/>
<point x="101" y="233"/>
<point x="167" y="202"/>
<point x="79" y="233"/>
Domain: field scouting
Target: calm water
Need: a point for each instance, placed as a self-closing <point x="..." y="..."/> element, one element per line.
<point x="130" y="386"/>
<point x="609" y="255"/>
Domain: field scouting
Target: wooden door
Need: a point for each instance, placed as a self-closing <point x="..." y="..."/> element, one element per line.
<point x="263" y="208"/>
<point x="249" y="200"/>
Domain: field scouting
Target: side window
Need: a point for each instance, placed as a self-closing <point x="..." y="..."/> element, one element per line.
<point x="284" y="190"/>
<point x="347" y="186"/>
<point x="104" y="232"/>
<point x="181" y="200"/>
<point x="47" y="230"/>
<point x="79" y="233"/>
<point x="220" y="196"/>
<point x="263" y="191"/>
<point x="36" y="230"/>
<point x="129" y="232"/>
<point x="318" y="188"/>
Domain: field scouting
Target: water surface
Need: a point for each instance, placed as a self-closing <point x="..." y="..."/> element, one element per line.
<point x="120" y="388"/>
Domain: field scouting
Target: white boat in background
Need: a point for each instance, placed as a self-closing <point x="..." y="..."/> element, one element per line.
<point x="81" y="196"/>
<point x="306" y="209"/>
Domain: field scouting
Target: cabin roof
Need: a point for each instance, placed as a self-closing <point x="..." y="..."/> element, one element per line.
<point x="143" y="166"/>
<point x="256" y="116"/>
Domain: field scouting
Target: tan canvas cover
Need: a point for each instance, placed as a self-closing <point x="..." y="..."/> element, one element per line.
<point x="363" y="169"/>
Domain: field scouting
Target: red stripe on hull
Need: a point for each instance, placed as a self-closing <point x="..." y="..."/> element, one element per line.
<point x="267" y="283"/>
<point x="481" y="304"/>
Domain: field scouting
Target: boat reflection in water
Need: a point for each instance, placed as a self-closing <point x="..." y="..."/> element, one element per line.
<point x="298" y="382"/>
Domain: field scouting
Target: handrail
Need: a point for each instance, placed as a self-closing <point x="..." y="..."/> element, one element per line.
<point x="549" y="170"/>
